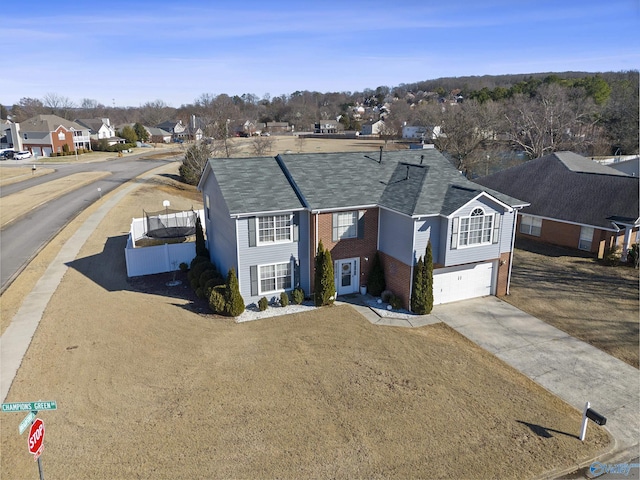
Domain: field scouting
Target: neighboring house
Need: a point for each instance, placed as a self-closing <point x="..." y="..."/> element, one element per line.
<point x="265" y="217"/>
<point x="328" y="126"/>
<point x="417" y="132"/>
<point x="277" y="127"/>
<point x="158" y="135"/>
<point x="574" y="202"/>
<point x="176" y="128"/>
<point x="372" y="128"/>
<point x="44" y="134"/>
<point x="99" y="128"/>
<point x="630" y="167"/>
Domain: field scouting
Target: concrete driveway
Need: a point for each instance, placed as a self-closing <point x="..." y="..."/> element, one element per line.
<point x="571" y="369"/>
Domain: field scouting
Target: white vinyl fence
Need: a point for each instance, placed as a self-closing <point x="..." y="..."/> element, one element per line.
<point x="159" y="258"/>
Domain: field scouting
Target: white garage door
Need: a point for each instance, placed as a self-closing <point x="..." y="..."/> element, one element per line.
<point x="460" y="283"/>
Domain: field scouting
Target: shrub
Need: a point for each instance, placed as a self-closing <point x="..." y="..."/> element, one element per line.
<point x="184" y="267"/>
<point x="200" y="292"/>
<point x="216" y="299"/>
<point x="297" y="296"/>
<point x="207" y="275"/>
<point x="633" y="255"/>
<point x="197" y="259"/>
<point x="386" y="296"/>
<point x="201" y="246"/>
<point x="612" y="255"/>
<point x="211" y="284"/>
<point x="284" y="299"/>
<point x="422" y="292"/>
<point x="234" y="303"/>
<point x="325" y="289"/>
<point x="198" y="270"/>
<point x="263" y="303"/>
<point x="396" y="302"/>
<point x="375" y="281"/>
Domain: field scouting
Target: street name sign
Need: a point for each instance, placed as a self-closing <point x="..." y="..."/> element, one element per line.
<point x="26" y="422"/>
<point x="29" y="406"/>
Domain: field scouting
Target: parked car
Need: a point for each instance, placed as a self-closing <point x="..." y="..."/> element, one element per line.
<point x="22" y="155"/>
<point x="6" y="153"/>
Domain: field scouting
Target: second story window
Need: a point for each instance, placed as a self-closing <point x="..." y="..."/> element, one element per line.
<point x="274" y="229"/>
<point x="475" y="229"/>
<point x="345" y="225"/>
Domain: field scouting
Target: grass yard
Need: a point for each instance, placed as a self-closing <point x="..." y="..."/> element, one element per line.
<point x="575" y="293"/>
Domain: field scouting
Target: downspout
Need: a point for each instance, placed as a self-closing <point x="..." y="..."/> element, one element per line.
<point x="513" y="243"/>
<point x="413" y="249"/>
<point x="238" y="257"/>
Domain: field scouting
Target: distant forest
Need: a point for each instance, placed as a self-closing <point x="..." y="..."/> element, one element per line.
<point x="479" y="117"/>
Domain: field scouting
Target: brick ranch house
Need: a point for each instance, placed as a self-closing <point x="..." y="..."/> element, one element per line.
<point x="265" y="216"/>
<point x="574" y="202"/>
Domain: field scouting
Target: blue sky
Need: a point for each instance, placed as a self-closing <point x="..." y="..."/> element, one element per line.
<point x="133" y="52"/>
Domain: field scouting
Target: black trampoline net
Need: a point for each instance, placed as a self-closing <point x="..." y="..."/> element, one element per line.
<point x="170" y="223"/>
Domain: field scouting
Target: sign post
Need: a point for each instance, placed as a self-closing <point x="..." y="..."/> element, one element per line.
<point x="590" y="414"/>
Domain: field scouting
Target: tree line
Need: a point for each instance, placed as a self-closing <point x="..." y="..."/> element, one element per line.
<point x="481" y="118"/>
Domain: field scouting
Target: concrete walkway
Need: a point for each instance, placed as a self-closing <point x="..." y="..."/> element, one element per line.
<point x="569" y="368"/>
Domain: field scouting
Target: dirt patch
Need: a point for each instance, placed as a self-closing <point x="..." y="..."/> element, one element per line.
<point x="579" y="295"/>
<point x="11" y="175"/>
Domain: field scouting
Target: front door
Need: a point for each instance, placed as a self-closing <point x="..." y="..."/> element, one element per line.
<point x="346" y="276"/>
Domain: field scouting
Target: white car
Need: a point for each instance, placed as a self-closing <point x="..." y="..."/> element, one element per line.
<point x="21" y="155"/>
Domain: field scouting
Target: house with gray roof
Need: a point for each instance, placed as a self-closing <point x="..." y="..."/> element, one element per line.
<point x="265" y="217"/>
<point x="44" y="134"/>
<point x="574" y="202"/>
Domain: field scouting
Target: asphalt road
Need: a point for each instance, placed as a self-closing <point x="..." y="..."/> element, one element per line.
<point x="23" y="239"/>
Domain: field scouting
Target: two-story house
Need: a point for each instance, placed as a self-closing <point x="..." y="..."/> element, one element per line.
<point x="265" y="217"/>
<point x="44" y="134"/>
<point x="99" y="128"/>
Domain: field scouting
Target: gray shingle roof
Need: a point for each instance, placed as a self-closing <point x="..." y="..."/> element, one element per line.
<point x="47" y="123"/>
<point x="253" y="185"/>
<point x="568" y="187"/>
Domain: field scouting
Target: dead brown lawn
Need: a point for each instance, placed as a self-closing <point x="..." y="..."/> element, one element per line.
<point x="146" y="388"/>
<point x="575" y="293"/>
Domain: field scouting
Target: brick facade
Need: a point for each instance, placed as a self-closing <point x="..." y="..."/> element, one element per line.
<point x="568" y="235"/>
<point x="397" y="276"/>
<point x="57" y="143"/>
<point x="363" y="248"/>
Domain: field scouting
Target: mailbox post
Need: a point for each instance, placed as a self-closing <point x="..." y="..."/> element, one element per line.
<point x="592" y="415"/>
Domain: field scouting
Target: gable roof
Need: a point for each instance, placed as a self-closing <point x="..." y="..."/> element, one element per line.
<point x="93" y="124"/>
<point x="572" y="188"/>
<point x="48" y="123"/>
<point x="409" y="182"/>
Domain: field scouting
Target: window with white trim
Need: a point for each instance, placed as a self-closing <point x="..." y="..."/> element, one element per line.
<point x="586" y="237"/>
<point x="476" y="229"/>
<point x="274" y="229"/>
<point x="276" y="277"/>
<point x="530" y="225"/>
<point x="345" y="225"/>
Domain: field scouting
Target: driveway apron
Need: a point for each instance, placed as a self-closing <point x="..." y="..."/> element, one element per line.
<point x="569" y="368"/>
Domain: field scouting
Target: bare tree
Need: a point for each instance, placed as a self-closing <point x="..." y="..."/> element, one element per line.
<point x="58" y="104"/>
<point x="27" y="108"/>
<point x="262" y="145"/>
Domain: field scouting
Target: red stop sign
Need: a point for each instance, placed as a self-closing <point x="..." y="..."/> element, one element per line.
<point x="36" y="437"/>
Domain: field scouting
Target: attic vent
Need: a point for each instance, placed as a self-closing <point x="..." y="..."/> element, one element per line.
<point x="421" y="159"/>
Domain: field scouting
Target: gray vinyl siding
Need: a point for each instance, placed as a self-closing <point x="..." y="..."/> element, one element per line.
<point x="221" y="228"/>
<point x="396" y="236"/>
<point x="428" y="228"/>
<point x="506" y="231"/>
<point x="270" y="254"/>
<point x="476" y="253"/>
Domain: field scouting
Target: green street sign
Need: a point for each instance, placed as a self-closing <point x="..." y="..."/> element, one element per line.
<point x="28" y="420"/>
<point x="29" y="406"/>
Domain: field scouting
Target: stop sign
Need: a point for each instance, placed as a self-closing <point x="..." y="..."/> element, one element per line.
<point x="36" y="437"/>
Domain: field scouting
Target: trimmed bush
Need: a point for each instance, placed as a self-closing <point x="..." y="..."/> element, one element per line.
<point x="234" y="303"/>
<point x="263" y="303"/>
<point x="201" y="246"/>
<point x="297" y="296"/>
<point x="211" y="284"/>
<point x="325" y="288"/>
<point x="422" y="293"/>
<point x="386" y="296"/>
<point x="633" y="256"/>
<point x="197" y="259"/>
<point x="184" y="267"/>
<point x="612" y="255"/>
<point x="207" y="275"/>
<point x="396" y="302"/>
<point x="284" y="299"/>
<point x="216" y="300"/>
<point x="198" y="270"/>
<point x="200" y="293"/>
<point x="375" y="281"/>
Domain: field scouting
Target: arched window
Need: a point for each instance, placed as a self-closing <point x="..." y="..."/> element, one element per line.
<point x="476" y="229"/>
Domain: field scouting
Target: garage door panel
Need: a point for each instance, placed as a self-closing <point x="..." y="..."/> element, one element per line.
<point x="460" y="283"/>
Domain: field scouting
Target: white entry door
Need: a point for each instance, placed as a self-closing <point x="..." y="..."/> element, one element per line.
<point x="346" y="275"/>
